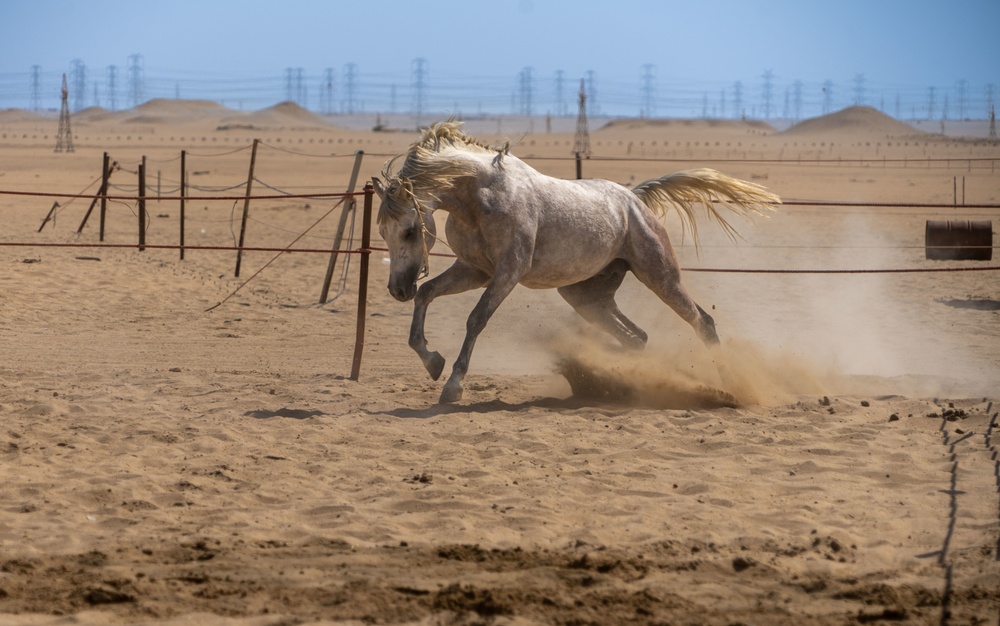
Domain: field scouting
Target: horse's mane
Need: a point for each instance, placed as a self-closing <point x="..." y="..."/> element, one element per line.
<point x="449" y="133"/>
<point x="432" y="164"/>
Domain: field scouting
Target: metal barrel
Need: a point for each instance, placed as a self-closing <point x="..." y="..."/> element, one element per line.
<point x="965" y="240"/>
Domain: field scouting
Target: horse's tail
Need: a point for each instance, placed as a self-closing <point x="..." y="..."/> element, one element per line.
<point x="682" y="190"/>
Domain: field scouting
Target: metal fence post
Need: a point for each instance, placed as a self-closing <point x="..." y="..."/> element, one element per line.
<point x="366" y="227"/>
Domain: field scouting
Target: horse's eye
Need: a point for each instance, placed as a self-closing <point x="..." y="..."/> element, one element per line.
<point x="411" y="232"/>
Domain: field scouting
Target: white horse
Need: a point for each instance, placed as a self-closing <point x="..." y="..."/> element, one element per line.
<point x="509" y="224"/>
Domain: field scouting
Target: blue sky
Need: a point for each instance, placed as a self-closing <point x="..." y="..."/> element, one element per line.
<point x="475" y="53"/>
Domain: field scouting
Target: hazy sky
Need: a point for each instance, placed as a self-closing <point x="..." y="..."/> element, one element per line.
<point x="695" y="46"/>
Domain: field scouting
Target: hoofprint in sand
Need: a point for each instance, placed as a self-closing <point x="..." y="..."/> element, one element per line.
<point x="165" y="465"/>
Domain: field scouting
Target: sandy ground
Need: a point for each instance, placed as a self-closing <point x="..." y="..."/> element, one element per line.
<point x="162" y="464"/>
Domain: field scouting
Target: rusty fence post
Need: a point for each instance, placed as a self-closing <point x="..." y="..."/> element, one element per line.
<point x="349" y="207"/>
<point x="51" y="215"/>
<point x="103" y="190"/>
<point x="246" y="206"/>
<point x="108" y="167"/>
<point x="366" y="227"/>
<point x="183" y="193"/>
<point x="142" y="204"/>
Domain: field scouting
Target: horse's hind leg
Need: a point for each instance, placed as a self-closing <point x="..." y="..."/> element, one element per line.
<point x="667" y="285"/>
<point x="652" y="260"/>
<point x="594" y="300"/>
<point x="456" y="279"/>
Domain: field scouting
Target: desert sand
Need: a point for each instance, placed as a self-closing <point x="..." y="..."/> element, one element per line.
<point x="161" y="464"/>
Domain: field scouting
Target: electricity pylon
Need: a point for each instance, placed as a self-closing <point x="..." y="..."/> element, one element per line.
<point x="582" y="144"/>
<point x="64" y="140"/>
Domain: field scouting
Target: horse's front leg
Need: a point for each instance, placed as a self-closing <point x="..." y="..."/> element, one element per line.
<point x="456" y="279"/>
<point x="496" y="292"/>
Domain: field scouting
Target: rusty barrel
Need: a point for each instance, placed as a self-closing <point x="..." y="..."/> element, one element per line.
<point x="967" y="240"/>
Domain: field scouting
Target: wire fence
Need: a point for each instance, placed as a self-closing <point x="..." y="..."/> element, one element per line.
<point x="178" y="192"/>
<point x="354" y="251"/>
<point x="370" y="249"/>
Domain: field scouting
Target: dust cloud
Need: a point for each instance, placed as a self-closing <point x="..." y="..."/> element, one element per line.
<point x="737" y="373"/>
<point x="784" y="337"/>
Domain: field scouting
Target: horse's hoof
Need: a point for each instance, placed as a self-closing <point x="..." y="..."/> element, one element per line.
<point x="450" y="394"/>
<point x="434" y="365"/>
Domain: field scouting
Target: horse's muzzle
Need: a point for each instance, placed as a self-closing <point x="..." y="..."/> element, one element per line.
<point x="403" y="292"/>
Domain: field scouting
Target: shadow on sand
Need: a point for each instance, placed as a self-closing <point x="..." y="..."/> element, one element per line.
<point x="491" y="406"/>
<point x="297" y="414"/>
<point x="975" y="304"/>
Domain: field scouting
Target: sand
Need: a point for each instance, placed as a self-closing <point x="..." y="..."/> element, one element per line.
<point x="160" y="464"/>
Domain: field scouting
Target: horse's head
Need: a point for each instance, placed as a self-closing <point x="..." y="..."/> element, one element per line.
<point x="408" y="230"/>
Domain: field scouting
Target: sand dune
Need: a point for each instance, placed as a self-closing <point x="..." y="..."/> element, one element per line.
<point x="166" y="113"/>
<point x="286" y="115"/>
<point x="15" y="116"/>
<point x="856" y="120"/>
<point x="730" y="127"/>
<point x="162" y="111"/>
<point x="164" y="465"/>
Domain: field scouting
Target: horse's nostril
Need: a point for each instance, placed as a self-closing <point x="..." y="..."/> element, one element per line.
<point x="400" y="293"/>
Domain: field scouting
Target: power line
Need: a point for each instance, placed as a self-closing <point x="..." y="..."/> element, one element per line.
<point x="561" y="108"/>
<point x="78" y="80"/>
<point x="351" y="85"/>
<point x="797" y="99"/>
<point x="136" y="80"/>
<point x="643" y="95"/>
<point x="827" y="96"/>
<point x="768" y="88"/>
<point x="647" y="91"/>
<point x="112" y="87"/>
<point x="581" y="145"/>
<point x="524" y="91"/>
<point x="36" y="100"/>
<point x="961" y="88"/>
<point x="859" y="89"/>
<point x="419" y="66"/>
<point x="592" y="92"/>
<point x="328" y="90"/>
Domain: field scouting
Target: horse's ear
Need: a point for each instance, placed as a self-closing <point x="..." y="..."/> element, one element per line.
<point x="379" y="188"/>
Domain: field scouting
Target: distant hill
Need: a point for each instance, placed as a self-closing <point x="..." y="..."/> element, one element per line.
<point x="92" y="114"/>
<point x="283" y="115"/>
<point x="855" y="120"/>
<point x="11" y="116"/>
<point x="162" y="110"/>
<point x="713" y="124"/>
<point x="197" y="113"/>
